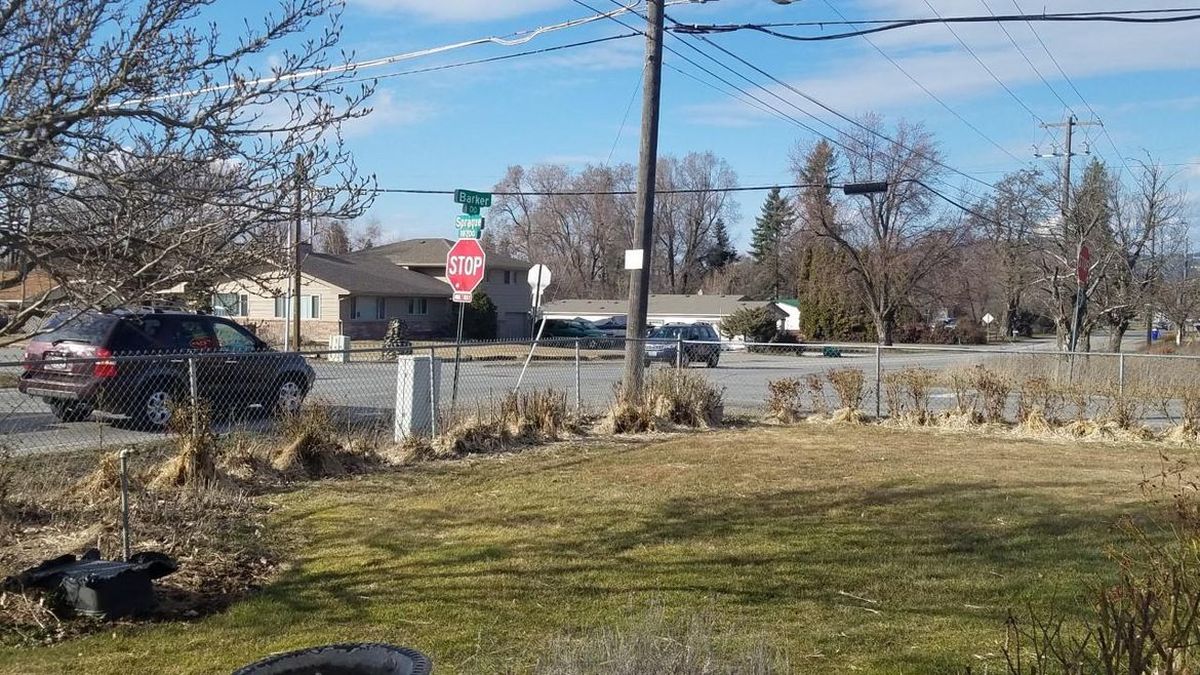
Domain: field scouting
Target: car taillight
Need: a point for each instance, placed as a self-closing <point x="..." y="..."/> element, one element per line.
<point x="106" y="366"/>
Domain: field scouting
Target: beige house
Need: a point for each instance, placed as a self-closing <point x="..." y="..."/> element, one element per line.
<point x="339" y="296"/>
<point x="663" y="308"/>
<point x="357" y="294"/>
<point x="505" y="283"/>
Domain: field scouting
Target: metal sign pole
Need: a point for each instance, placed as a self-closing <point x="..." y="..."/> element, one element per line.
<point x="462" y="308"/>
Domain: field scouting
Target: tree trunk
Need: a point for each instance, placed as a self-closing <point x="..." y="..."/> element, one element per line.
<point x="1116" y="336"/>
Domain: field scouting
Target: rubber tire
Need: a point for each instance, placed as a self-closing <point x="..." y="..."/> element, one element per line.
<point x="276" y="404"/>
<point x="713" y="360"/>
<point x="141" y="415"/>
<point x="686" y="360"/>
<point x="69" y="411"/>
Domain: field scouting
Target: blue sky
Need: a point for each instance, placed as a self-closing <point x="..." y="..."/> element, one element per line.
<point x="462" y="128"/>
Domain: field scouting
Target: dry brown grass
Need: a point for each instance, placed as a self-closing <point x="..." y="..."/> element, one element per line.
<point x="194" y="465"/>
<point x="816" y="392"/>
<point x="518" y="420"/>
<point x="848" y="384"/>
<point x="669" y="399"/>
<point x="314" y="445"/>
<point x="908" y="394"/>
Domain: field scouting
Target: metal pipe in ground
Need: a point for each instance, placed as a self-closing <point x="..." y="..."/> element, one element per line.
<point x="1121" y="374"/>
<point x="124" y="464"/>
<point x="878" y="381"/>
<point x="578" y="382"/>
<point x="679" y="351"/>
<point x="433" y="429"/>
<point x="194" y="394"/>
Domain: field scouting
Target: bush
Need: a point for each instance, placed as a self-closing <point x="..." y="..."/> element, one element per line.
<point x="519" y="419"/>
<point x="908" y="393"/>
<point x="993" y="391"/>
<point x="755" y="324"/>
<point x="669" y="398"/>
<point x="480" y="318"/>
<point x="923" y="334"/>
<point x="848" y="384"/>
<point x="784" y="399"/>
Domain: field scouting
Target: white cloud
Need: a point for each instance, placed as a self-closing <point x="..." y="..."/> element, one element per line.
<point x="387" y="112"/>
<point x="462" y="10"/>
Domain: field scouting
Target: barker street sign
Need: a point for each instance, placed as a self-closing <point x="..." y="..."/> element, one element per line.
<point x="473" y="199"/>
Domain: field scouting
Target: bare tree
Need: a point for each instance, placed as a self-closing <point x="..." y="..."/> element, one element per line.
<point x="686" y="223"/>
<point x="159" y="154"/>
<point x="892" y="241"/>
<point x="339" y="237"/>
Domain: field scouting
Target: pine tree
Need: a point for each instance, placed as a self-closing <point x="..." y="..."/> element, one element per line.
<point x="770" y="229"/>
<point x="722" y="252"/>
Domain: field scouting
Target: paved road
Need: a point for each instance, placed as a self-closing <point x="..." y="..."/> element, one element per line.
<point x="366" y="391"/>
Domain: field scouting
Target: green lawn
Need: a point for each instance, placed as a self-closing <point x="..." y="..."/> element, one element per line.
<point x="482" y="564"/>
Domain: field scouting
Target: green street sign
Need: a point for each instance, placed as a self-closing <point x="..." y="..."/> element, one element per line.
<point x="470" y="198"/>
<point x="470" y="210"/>
<point x="469" y="227"/>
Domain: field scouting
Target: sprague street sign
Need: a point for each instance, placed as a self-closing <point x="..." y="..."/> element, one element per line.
<point x="469" y="227"/>
<point x="465" y="267"/>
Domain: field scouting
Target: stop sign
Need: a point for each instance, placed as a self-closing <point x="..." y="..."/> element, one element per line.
<point x="465" y="265"/>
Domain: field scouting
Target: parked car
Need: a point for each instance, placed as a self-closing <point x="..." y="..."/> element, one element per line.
<point x="586" y="332"/>
<point x="700" y="344"/>
<point x="614" y="327"/>
<point x="78" y="367"/>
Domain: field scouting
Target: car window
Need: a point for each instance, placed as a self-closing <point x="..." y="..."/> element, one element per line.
<point x="190" y="334"/>
<point x="231" y="338"/>
<point x="138" y="335"/>
<point x="666" y="332"/>
<point x="87" y="327"/>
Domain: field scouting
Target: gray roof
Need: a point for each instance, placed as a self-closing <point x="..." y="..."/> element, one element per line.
<point x="660" y="305"/>
<point x="372" y="277"/>
<point x="432" y="253"/>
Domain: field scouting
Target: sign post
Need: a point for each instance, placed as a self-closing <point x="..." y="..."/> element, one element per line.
<point x="987" y="324"/>
<point x="466" y="264"/>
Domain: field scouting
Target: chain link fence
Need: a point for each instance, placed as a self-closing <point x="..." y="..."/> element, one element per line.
<point x="57" y="403"/>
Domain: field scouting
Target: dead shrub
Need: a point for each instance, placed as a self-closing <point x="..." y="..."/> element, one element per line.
<point x="314" y="448"/>
<point x="848" y="384"/>
<point x="993" y="391"/>
<point x="1039" y="404"/>
<point x="909" y="393"/>
<point x="519" y="419"/>
<point x="8" y="509"/>
<point x="101" y="484"/>
<point x="962" y="385"/>
<point x="816" y="391"/>
<point x="1123" y="410"/>
<point x="536" y="416"/>
<point x="784" y="402"/>
<point x="1189" y="399"/>
<point x="668" y="399"/>
<point x="194" y="465"/>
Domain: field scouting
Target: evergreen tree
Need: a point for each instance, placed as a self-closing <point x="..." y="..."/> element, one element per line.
<point x="480" y="318"/>
<point x="722" y="252"/>
<point x="772" y="226"/>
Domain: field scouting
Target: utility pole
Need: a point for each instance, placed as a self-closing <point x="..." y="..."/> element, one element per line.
<point x="639" y="279"/>
<point x="1081" y="252"/>
<point x="296" y="252"/>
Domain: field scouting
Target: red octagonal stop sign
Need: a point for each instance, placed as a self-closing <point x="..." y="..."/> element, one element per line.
<point x="465" y="265"/>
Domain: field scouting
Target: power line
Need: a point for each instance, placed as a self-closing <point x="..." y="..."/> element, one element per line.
<point x="932" y="95"/>
<point x="882" y="26"/>
<point x="1021" y="51"/>
<point x="985" y="65"/>
<point x="1071" y="83"/>
<point x="493" y="59"/>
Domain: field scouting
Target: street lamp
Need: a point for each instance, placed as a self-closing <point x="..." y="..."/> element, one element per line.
<point x="850" y="189"/>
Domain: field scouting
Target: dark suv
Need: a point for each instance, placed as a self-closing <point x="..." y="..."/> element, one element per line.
<point x="136" y="363"/>
<point x="700" y="344"/>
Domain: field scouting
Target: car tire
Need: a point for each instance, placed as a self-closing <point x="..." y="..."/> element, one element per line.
<point x="69" y="411"/>
<point x="288" y="396"/>
<point x="686" y="360"/>
<point x="156" y="406"/>
<point x="713" y="360"/>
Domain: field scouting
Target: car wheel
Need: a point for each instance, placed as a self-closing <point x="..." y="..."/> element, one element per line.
<point x="289" y="397"/>
<point x="713" y="360"/>
<point x="646" y="363"/>
<point x="685" y="360"/>
<point x="70" y="411"/>
<point x="156" y="406"/>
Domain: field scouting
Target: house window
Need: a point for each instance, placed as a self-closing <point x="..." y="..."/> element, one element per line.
<point x="367" y="308"/>
<point x="310" y="307"/>
<point x="230" y="304"/>
<point x="418" y="305"/>
<point x="507" y="277"/>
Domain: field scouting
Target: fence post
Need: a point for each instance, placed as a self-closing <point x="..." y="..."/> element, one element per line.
<point x="433" y="395"/>
<point x="1121" y="374"/>
<point x="194" y="393"/>
<point x="124" y="462"/>
<point x="578" y="382"/>
<point x="878" y="381"/>
<point x="679" y="351"/>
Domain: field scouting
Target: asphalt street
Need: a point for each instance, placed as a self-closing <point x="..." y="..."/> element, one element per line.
<point x="366" y="391"/>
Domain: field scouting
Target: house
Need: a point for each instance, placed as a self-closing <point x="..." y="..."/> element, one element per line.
<point x="340" y="296"/>
<point x="663" y="308"/>
<point x="791" y="309"/>
<point x="505" y="282"/>
<point x="357" y="294"/>
<point x="17" y="293"/>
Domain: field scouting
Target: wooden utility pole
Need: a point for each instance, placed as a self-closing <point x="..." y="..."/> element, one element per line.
<point x="639" y="279"/>
<point x="1081" y="257"/>
<point x="297" y="250"/>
